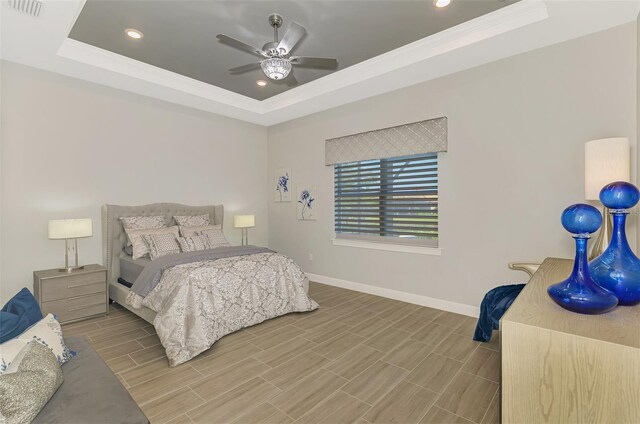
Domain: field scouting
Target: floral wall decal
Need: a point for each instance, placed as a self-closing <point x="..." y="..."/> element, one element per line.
<point x="307" y="203"/>
<point x="283" y="185"/>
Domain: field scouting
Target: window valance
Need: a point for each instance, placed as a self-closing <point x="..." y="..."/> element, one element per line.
<point x="428" y="136"/>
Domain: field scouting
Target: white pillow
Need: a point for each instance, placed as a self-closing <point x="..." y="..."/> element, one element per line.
<point x="193" y="231"/>
<point x="141" y="223"/>
<point x="47" y="332"/>
<point x="194" y="243"/>
<point x="140" y="248"/>
<point x="192" y="221"/>
<point x="216" y="237"/>
<point x="161" y="244"/>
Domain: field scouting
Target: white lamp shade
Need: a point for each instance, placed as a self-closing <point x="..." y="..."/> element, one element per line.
<point x="70" y="228"/>
<point x="244" y="221"/>
<point x="605" y="161"/>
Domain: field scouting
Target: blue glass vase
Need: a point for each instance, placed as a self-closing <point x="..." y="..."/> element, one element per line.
<point x="579" y="293"/>
<point x="618" y="268"/>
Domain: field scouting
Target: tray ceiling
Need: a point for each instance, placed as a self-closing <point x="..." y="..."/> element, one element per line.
<point x="180" y="36"/>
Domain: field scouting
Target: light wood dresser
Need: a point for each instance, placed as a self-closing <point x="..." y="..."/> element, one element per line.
<point x="563" y="367"/>
<point x="72" y="296"/>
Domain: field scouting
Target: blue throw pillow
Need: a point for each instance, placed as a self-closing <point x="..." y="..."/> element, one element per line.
<point x="20" y="313"/>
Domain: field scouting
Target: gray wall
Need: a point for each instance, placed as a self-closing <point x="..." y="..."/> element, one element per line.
<point x="517" y="129"/>
<point x="70" y="146"/>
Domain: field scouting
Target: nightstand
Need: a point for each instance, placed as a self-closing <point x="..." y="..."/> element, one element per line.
<point x="72" y="296"/>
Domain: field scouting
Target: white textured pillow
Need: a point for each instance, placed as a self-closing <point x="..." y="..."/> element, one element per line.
<point x="161" y="244"/>
<point x="193" y="231"/>
<point x="47" y="332"/>
<point x="216" y="237"/>
<point x="141" y="223"/>
<point x="192" y="221"/>
<point x="194" y="243"/>
<point x="28" y="384"/>
<point x="140" y="248"/>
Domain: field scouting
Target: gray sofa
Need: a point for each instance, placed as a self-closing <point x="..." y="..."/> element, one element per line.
<point x="90" y="394"/>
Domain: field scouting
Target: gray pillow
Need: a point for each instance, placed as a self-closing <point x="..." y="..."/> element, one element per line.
<point x="28" y="383"/>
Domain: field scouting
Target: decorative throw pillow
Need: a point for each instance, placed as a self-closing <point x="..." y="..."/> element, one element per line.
<point x="192" y="221"/>
<point x="194" y="243"/>
<point x="47" y="332"/>
<point x="28" y="384"/>
<point x="140" y="248"/>
<point x="20" y="313"/>
<point x="161" y="244"/>
<point x="193" y="231"/>
<point x="216" y="237"/>
<point x="141" y="223"/>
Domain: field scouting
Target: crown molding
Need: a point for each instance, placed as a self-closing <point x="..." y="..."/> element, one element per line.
<point x="501" y="21"/>
<point x="529" y="24"/>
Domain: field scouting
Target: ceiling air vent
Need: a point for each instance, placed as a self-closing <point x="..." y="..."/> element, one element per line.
<point x="28" y="7"/>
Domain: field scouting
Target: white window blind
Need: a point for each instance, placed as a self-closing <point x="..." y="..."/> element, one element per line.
<point x="391" y="200"/>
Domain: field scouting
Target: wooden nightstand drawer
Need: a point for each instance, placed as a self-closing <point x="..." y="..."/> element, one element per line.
<point x="73" y="285"/>
<point x="76" y="307"/>
<point x="72" y="296"/>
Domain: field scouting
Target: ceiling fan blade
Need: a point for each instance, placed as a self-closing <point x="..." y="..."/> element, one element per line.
<point x="245" y="68"/>
<point x="291" y="80"/>
<point x="314" y="62"/>
<point x="291" y="37"/>
<point x="240" y="45"/>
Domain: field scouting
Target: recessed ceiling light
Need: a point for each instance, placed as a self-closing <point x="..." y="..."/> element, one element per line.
<point x="441" y="3"/>
<point x="134" y="33"/>
<point x="261" y="83"/>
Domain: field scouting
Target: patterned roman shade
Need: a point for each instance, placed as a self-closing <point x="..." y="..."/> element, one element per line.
<point x="428" y="136"/>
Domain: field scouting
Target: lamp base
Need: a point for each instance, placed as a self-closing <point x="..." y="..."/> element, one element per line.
<point x="71" y="269"/>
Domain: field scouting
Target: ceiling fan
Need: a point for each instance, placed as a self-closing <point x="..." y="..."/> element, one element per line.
<point x="276" y="56"/>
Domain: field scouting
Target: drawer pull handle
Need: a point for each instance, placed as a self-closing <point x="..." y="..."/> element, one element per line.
<point x="84" y="296"/>
<point x="85" y="284"/>
<point x="85" y="307"/>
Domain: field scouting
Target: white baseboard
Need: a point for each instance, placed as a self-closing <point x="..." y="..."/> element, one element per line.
<point x="445" y="305"/>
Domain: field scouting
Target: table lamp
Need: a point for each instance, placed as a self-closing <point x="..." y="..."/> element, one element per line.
<point x="245" y="222"/>
<point x="70" y="229"/>
<point x="606" y="161"/>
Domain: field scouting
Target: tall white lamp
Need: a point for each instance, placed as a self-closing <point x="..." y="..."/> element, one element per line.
<point x="245" y="222"/>
<point x="606" y="160"/>
<point x="70" y="229"/>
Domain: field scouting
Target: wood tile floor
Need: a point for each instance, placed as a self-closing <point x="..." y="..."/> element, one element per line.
<point x="359" y="358"/>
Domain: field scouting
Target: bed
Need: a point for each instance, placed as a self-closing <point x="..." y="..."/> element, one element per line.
<point x="195" y="298"/>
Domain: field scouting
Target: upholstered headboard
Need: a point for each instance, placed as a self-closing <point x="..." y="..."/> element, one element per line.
<point x="114" y="237"/>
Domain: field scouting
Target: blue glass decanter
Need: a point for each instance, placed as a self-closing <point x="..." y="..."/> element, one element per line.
<point x="618" y="268"/>
<point x="579" y="293"/>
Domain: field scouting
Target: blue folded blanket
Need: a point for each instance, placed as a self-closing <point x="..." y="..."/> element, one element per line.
<point x="494" y="305"/>
<point x="20" y="313"/>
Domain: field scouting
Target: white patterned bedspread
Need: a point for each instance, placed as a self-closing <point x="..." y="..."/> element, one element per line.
<point x="200" y="302"/>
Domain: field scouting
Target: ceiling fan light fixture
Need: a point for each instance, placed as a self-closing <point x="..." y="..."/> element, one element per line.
<point x="441" y="3"/>
<point x="276" y="68"/>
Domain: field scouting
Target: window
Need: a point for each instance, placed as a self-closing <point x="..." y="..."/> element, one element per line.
<point x="388" y="200"/>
